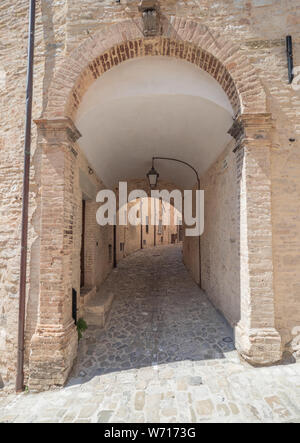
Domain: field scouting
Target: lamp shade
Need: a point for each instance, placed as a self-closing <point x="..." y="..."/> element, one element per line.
<point x="152" y="177"/>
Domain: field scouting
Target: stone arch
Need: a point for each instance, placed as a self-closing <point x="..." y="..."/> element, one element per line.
<point x="54" y="344"/>
<point x="181" y="38"/>
<point x="153" y="236"/>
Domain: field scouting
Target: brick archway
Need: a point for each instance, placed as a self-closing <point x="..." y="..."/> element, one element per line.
<point x="180" y="38"/>
<point x="54" y="345"/>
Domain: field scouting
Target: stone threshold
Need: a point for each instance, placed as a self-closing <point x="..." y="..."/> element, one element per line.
<point x="97" y="309"/>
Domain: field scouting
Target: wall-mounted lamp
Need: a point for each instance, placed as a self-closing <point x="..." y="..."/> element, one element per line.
<point x="289" y="52"/>
<point x="150" y="15"/>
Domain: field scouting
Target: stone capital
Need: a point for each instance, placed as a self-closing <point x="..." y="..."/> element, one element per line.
<point x="60" y="129"/>
<point x="251" y="129"/>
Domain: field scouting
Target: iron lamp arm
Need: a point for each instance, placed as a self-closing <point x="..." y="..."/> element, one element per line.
<point x="178" y="161"/>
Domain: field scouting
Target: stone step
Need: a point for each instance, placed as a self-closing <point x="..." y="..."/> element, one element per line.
<point x="97" y="309"/>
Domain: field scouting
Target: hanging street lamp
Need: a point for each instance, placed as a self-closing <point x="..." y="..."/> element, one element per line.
<point x="153" y="177"/>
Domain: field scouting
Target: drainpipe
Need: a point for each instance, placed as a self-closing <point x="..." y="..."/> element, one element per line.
<point x="26" y="176"/>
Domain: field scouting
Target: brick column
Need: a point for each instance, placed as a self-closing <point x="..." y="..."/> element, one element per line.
<point x="54" y="344"/>
<point x="256" y="337"/>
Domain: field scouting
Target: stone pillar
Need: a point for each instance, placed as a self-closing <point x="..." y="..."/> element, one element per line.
<point x="54" y="344"/>
<point x="256" y="337"/>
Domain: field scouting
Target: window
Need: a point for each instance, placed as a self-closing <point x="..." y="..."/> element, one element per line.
<point x="147" y="225"/>
<point x="122" y="245"/>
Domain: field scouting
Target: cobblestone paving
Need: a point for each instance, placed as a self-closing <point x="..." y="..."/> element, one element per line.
<point x="165" y="355"/>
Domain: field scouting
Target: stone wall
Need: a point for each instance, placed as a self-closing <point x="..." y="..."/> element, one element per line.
<point x="97" y="239"/>
<point x="220" y="241"/>
<point x="258" y="27"/>
<point x="13" y="30"/>
<point x="129" y="236"/>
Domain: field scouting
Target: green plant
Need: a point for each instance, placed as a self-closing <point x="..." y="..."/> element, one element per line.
<point x="81" y="327"/>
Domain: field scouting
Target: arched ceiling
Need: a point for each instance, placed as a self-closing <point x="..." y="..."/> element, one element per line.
<point x="153" y="106"/>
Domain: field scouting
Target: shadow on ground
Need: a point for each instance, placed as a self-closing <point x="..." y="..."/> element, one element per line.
<point x="159" y="316"/>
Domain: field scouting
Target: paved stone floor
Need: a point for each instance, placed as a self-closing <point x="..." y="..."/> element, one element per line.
<point x="166" y="355"/>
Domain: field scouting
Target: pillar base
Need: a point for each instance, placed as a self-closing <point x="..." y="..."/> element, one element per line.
<point x="260" y="347"/>
<point x="52" y="355"/>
